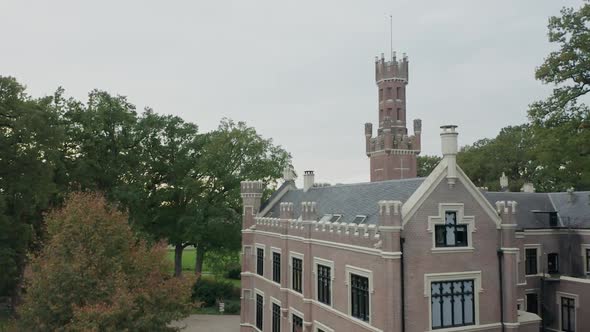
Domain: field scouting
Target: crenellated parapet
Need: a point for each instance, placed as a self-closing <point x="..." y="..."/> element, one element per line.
<point x="309" y="211"/>
<point x="393" y="69"/>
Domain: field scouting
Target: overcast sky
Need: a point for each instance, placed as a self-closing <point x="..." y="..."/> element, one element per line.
<point x="300" y="72"/>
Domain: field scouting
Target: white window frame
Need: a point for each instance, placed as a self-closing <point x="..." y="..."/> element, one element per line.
<point x="263" y="247"/>
<point x="349" y="269"/>
<point x="317" y="326"/>
<point x="259" y="292"/>
<point x="293" y="311"/>
<point x="272" y="265"/>
<point x="539" y="248"/>
<point x="277" y="302"/>
<point x="584" y="260"/>
<point x="429" y="278"/>
<point x="558" y="296"/>
<point x="330" y="264"/>
<point x="294" y="254"/>
<point x="462" y="219"/>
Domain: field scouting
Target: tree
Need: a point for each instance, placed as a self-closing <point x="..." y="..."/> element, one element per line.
<point x="94" y="275"/>
<point x="511" y="152"/>
<point x="232" y="153"/>
<point x="426" y="164"/>
<point x="163" y="195"/>
<point x="561" y="123"/>
<point x="30" y="135"/>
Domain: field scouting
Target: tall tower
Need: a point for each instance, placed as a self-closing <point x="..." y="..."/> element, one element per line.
<point x="392" y="152"/>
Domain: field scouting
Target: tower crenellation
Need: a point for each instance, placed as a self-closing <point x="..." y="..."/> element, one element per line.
<point x="393" y="151"/>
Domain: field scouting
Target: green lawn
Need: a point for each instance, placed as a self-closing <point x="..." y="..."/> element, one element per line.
<point x="188" y="265"/>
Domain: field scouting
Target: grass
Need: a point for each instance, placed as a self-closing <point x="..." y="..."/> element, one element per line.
<point x="188" y="266"/>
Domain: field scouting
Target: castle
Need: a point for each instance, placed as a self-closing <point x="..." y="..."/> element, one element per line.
<point x="409" y="254"/>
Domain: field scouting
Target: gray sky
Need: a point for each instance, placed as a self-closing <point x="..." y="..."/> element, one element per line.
<point x="301" y="72"/>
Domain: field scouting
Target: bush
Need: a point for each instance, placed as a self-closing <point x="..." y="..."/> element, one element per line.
<point x="234" y="272"/>
<point x="221" y="261"/>
<point x="232" y="307"/>
<point x="209" y="291"/>
<point x="94" y="275"/>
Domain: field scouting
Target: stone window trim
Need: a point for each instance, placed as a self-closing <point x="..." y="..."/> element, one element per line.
<point x="261" y="293"/>
<point x="293" y="311"/>
<point x="294" y="254"/>
<point x="585" y="248"/>
<point x="462" y="219"/>
<point x="576" y="298"/>
<point x="349" y="269"/>
<point x="451" y="276"/>
<point x="539" y="248"/>
<point x="317" y="326"/>
<point x="255" y="251"/>
<point x="321" y="261"/>
<point x="274" y="250"/>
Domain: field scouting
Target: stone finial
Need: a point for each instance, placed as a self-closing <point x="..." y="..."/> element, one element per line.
<point x="286" y="210"/>
<point x="368" y="129"/>
<point x="417" y="126"/>
<point x="289" y="173"/>
<point x="528" y="187"/>
<point x="500" y="206"/>
<point x="504" y="182"/>
<point x="309" y="210"/>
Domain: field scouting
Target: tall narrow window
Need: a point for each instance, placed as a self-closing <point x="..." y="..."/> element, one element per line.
<point x="297" y="277"/>
<point x="450" y="234"/>
<point x="568" y="315"/>
<point x="531" y="261"/>
<point x="380" y="94"/>
<point x="553" y="263"/>
<point x="452" y="303"/>
<point x="359" y="297"/>
<point x="532" y="303"/>
<point x="398" y="114"/>
<point x="260" y="261"/>
<point x="276" y="318"/>
<point x="398" y="93"/>
<point x="276" y="267"/>
<point x="389" y="111"/>
<point x="587" y="261"/>
<point x="297" y="324"/>
<point x="259" y="311"/>
<point x="390" y="93"/>
<point x="324" y="284"/>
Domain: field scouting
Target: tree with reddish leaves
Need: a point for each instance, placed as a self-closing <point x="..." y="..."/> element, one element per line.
<point x="93" y="274"/>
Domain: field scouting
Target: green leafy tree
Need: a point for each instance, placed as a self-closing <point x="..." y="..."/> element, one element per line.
<point x="164" y="195"/>
<point x="232" y="153"/>
<point x="561" y="123"/>
<point x="510" y="152"/>
<point x="426" y="164"/>
<point x="30" y="135"/>
<point x="94" y="275"/>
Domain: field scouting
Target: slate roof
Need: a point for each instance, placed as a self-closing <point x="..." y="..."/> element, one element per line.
<point x="350" y="200"/>
<point x="532" y="210"/>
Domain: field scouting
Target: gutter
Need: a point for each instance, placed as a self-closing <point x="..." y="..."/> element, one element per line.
<point x="403" y="306"/>
<point x="500" y="272"/>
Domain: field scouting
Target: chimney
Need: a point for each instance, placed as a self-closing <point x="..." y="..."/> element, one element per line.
<point x="308" y="179"/>
<point x="528" y="187"/>
<point x="504" y="182"/>
<point x="448" y="138"/>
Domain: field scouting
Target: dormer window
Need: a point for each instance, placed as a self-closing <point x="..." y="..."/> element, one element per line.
<point x="450" y="234"/>
<point x="359" y="220"/>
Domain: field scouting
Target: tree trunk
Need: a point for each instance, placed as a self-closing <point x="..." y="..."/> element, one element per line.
<point x="200" y="257"/>
<point x="178" y="260"/>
